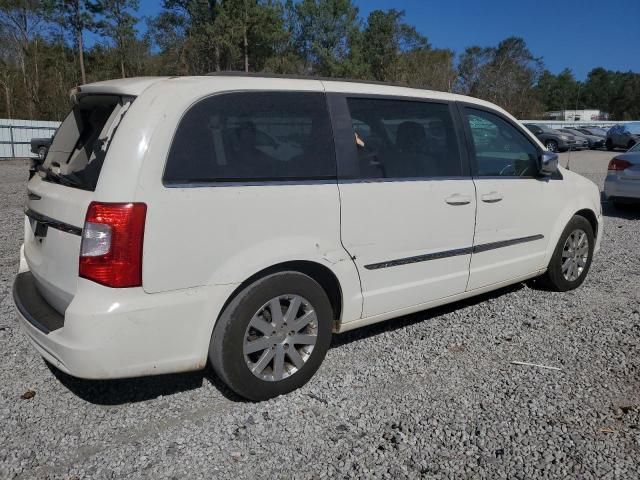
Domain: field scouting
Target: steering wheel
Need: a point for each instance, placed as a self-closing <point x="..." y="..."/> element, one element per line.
<point x="506" y="167"/>
<point x="523" y="173"/>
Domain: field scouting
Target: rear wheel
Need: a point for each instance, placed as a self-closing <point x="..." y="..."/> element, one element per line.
<point x="572" y="256"/>
<point x="630" y="144"/>
<point x="273" y="336"/>
<point x="42" y="152"/>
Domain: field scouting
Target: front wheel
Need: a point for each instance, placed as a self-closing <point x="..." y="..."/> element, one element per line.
<point x="572" y="256"/>
<point x="273" y="336"/>
<point x="551" y="145"/>
<point x="42" y="152"/>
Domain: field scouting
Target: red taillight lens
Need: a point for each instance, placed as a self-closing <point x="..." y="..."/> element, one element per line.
<point x="112" y="239"/>
<point x="617" y="165"/>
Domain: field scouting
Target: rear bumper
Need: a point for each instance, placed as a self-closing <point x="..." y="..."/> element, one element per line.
<point x="32" y="307"/>
<point x="616" y="188"/>
<point x="117" y="333"/>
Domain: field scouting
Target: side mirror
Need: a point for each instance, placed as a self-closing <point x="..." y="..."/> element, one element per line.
<point x="548" y="163"/>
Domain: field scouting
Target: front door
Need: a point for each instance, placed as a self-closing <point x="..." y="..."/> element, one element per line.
<point x="515" y="210"/>
<point x="407" y="201"/>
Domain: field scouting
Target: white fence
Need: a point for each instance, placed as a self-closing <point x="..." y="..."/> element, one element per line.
<point x="16" y="135"/>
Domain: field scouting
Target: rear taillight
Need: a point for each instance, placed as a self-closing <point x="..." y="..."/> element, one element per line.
<point x="111" y="248"/>
<point x="618" y="165"/>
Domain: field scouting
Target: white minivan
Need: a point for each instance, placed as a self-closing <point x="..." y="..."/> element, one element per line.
<point x="245" y="219"/>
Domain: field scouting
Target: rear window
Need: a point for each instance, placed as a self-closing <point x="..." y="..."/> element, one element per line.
<point x="253" y="137"/>
<point x="80" y="145"/>
<point x="634" y="128"/>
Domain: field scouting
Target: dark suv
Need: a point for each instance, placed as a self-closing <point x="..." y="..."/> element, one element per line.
<point x="553" y="140"/>
<point x="623" y="136"/>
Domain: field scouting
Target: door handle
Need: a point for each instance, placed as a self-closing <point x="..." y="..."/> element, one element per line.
<point x="491" y="197"/>
<point x="457" y="199"/>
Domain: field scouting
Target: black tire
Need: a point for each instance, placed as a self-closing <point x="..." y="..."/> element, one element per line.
<point x="42" y="152"/>
<point x="226" y="348"/>
<point x="630" y="144"/>
<point x="554" y="279"/>
<point x="551" y="145"/>
<point x="609" y="144"/>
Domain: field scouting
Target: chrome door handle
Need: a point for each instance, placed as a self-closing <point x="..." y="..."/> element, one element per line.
<point x="491" y="197"/>
<point x="457" y="199"/>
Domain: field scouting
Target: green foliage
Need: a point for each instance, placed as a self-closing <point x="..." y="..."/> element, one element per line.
<point x="118" y="25"/>
<point x="324" y="32"/>
<point x="43" y="54"/>
<point x="385" y="40"/>
<point x="505" y="74"/>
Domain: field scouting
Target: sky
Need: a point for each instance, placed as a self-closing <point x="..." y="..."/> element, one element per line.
<point x="578" y="34"/>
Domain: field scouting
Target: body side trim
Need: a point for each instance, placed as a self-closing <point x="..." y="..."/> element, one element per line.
<point x="453" y="253"/>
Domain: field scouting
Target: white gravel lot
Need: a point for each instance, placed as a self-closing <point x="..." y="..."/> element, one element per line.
<point x="432" y="395"/>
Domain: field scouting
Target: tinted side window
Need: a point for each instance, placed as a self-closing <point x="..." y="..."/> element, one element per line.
<point x="253" y="136"/>
<point x="500" y="148"/>
<point x="404" y="139"/>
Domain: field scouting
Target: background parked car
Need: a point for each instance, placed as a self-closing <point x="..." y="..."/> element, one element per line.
<point x="622" y="185"/>
<point x="623" y="136"/>
<point x="596" y="131"/>
<point x="581" y="142"/>
<point x="593" y="141"/>
<point x="39" y="146"/>
<point x="553" y="140"/>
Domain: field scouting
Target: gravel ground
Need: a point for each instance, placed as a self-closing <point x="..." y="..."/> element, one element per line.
<point x="432" y="395"/>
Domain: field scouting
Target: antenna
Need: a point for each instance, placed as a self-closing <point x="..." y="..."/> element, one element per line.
<point x="574" y="119"/>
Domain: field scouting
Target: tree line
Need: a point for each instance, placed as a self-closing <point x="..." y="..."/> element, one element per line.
<point x="44" y="53"/>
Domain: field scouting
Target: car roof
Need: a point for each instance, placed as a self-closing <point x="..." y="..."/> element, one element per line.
<point x="228" y="81"/>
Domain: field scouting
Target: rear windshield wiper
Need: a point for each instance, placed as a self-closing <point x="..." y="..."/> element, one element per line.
<point x="67" y="180"/>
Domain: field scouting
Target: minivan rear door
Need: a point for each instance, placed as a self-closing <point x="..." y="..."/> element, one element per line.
<point x="407" y="201"/>
<point x="59" y="194"/>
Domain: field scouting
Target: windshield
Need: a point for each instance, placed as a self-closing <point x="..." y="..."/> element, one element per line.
<point x="78" y="149"/>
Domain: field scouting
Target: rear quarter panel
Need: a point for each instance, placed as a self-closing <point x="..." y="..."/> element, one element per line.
<point x="222" y="234"/>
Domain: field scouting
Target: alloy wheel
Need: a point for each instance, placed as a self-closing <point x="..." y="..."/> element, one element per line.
<point x="575" y="254"/>
<point x="280" y="337"/>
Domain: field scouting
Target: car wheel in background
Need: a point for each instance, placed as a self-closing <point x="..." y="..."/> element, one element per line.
<point x="273" y="336"/>
<point x="42" y="152"/>
<point x="572" y="256"/>
<point x="551" y="145"/>
<point x="630" y="144"/>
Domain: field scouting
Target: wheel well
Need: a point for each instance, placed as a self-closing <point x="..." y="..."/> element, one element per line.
<point x="321" y="274"/>
<point x="591" y="218"/>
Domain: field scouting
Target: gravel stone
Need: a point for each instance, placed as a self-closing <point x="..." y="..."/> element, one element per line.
<point x="430" y="395"/>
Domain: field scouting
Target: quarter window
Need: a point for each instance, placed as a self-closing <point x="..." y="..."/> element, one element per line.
<point x="253" y="136"/>
<point x="404" y="139"/>
<point x="500" y="148"/>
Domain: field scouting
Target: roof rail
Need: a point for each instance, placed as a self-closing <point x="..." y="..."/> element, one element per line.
<point x="232" y="73"/>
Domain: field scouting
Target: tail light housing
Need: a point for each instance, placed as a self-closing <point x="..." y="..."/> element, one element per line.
<point x="112" y="241"/>
<point x="618" y="165"/>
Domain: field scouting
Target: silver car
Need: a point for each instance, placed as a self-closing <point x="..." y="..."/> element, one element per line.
<point x="622" y="185"/>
